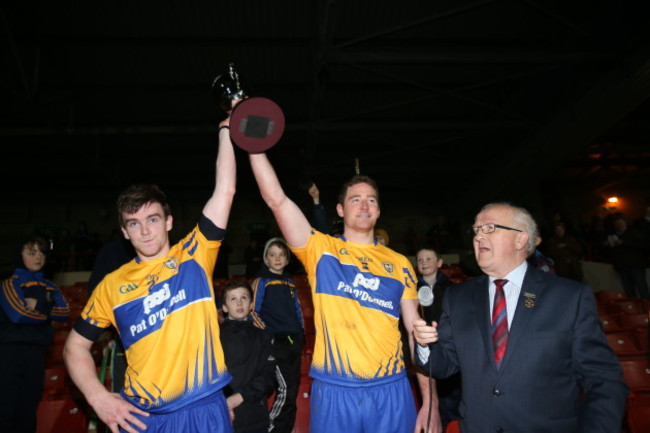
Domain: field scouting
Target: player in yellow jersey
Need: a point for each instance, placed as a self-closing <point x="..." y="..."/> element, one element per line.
<point x="360" y="289"/>
<point x="162" y="304"/>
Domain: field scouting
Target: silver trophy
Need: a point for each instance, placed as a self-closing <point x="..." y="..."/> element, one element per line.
<point x="227" y="88"/>
<point x="256" y="123"/>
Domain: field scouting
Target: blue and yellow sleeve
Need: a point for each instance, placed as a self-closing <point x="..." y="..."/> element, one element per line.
<point x="13" y="304"/>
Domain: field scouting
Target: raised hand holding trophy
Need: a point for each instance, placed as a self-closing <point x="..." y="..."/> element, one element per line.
<point x="256" y="123"/>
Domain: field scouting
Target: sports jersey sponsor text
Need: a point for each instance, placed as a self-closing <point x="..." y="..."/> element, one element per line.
<point x="368" y="283"/>
<point x="362" y="295"/>
<point x="154" y="300"/>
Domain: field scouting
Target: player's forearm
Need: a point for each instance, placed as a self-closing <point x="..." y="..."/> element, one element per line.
<point x="217" y="209"/>
<point x="226" y="176"/>
<point x="83" y="372"/>
<point x="428" y="389"/>
<point x="267" y="180"/>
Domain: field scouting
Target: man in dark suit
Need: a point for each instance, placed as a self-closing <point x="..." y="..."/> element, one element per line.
<point x="557" y="373"/>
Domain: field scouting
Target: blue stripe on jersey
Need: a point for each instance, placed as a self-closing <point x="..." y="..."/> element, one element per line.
<point x="371" y="291"/>
<point x="192" y="250"/>
<point x="189" y="241"/>
<point x="143" y="316"/>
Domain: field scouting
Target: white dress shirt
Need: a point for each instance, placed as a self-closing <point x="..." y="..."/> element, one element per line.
<point x="512" y="289"/>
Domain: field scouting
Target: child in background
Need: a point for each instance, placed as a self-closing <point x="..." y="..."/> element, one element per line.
<point x="247" y="349"/>
<point x="277" y="309"/>
<point x="29" y="305"/>
<point x="428" y="264"/>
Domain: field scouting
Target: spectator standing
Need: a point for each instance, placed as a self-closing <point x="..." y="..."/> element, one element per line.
<point x="249" y="358"/>
<point x="643" y="225"/>
<point x="277" y="310"/>
<point x="381" y="236"/>
<point x="429" y="263"/>
<point x="29" y="305"/>
<point x="627" y="253"/>
<point x="566" y="252"/>
<point x="318" y="211"/>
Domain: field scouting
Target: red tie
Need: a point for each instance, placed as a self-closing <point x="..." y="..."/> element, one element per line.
<point x="499" y="322"/>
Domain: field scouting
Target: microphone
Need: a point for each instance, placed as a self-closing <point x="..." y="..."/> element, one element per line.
<point x="425" y="298"/>
<point x="425" y="295"/>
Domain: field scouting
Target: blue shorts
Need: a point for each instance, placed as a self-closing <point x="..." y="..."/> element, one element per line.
<point x="387" y="408"/>
<point x="208" y="415"/>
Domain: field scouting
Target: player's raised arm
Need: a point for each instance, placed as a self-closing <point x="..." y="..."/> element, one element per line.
<point x="292" y="222"/>
<point x="218" y="206"/>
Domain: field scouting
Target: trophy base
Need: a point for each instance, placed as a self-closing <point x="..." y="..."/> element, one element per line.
<point x="256" y="124"/>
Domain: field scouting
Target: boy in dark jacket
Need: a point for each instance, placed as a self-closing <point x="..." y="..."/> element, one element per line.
<point x="277" y="310"/>
<point x="248" y="356"/>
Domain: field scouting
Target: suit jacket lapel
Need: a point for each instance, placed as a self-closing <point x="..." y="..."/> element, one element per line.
<point x="483" y="315"/>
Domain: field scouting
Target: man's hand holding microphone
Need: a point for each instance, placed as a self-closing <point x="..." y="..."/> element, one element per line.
<point x="425" y="334"/>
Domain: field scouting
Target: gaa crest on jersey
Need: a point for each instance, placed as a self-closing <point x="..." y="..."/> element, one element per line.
<point x="388" y="266"/>
<point x="172" y="263"/>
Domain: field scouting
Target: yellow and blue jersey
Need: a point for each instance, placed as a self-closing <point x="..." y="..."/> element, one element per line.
<point x="356" y="291"/>
<point x="165" y="313"/>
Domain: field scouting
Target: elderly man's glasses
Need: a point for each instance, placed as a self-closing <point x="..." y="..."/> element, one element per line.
<point x="490" y="228"/>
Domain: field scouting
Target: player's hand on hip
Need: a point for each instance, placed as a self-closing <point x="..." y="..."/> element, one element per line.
<point x="117" y="413"/>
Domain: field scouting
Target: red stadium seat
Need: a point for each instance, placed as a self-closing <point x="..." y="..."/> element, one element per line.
<point x="638" y="414"/>
<point x="60" y="336"/>
<point x="56" y="383"/>
<point x="625" y="343"/>
<point x="302" y="405"/>
<point x="61" y="416"/>
<point x="453" y="427"/>
<point x="634" y="321"/>
<point x="610" y="295"/>
<point x="611" y="323"/>
<point x="643" y="337"/>
<point x="305" y="362"/>
<point x="636" y="373"/>
<point x="54" y="355"/>
<point x="631" y="306"/>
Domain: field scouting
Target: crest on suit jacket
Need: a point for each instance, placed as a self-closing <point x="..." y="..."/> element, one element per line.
<point x="529" y="301"/>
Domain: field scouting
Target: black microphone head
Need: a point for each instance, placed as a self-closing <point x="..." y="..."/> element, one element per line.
<point x="425" y="295"/>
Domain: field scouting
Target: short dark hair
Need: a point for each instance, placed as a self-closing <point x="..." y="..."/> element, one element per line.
<point x="428" y="247"/>
<point x="136" y="196"/>
<point x="354" y="180"/>
<point x="236" y="284"/>
<point x="38" y="241"/>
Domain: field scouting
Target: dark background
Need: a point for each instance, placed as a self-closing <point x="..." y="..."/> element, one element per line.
<point x="448" y="104"/>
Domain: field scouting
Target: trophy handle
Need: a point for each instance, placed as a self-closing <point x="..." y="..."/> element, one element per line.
<point x="227" y="88"/>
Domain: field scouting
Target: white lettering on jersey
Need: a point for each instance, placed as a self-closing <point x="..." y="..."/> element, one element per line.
<point x="156" y="298"/>
<point x="368" y="283"/>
